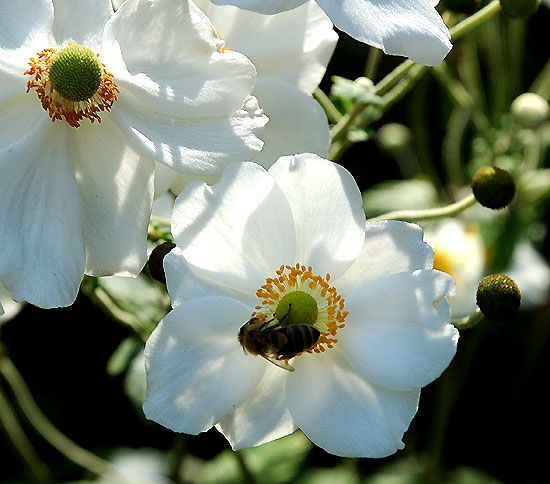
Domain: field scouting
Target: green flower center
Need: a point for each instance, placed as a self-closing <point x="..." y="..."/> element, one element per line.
<point x="297" y="296"/>
<point x="297" y="307"/>
<point x="75" y="73"/>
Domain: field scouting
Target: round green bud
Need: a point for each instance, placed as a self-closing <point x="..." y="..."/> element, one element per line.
<point x="75" y="73"/>
<point x="156" y="261"/>
<point x="530" y="110"/>
<point x="519" y="8"/>
<point x="297" y="307"/>
<point x="493" y="187"/>
<point x="394" y="138"/>
<point x="498" y="297"/>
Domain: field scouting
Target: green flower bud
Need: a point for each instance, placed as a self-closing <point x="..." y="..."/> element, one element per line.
<point x="394" y="138"/>
<point x="530" y="110"/>
<point x="493" y="187"/>
<point x="519" y="8"/>
<point x="75" y="73"/>
<point x="156" y="259"/>
<point x="498" y="297"/>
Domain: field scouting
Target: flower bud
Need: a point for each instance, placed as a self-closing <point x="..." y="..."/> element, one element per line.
<point x="498" y="297"/>
<point x="530" y="110"/>
<point x="156" y="259"/>
<point x="493" y="187"/>
<point x="394" y="138"/>
<point x="519" y="8"/>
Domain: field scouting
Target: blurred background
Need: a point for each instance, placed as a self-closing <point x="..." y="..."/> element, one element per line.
<point x="485" y="420"/>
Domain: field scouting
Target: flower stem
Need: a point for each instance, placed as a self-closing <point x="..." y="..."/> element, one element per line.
<point x="469" y="321"/>
<point x="10" y="422"/>
<point x="461" y="97"/>
<point x="541" y="85"/>
<point x="428" y="214"/>
<point x="475" y="20"/>
<point x="103" y="300"/>
<point x="331" y="110"/>
<point x="49" y="432"/>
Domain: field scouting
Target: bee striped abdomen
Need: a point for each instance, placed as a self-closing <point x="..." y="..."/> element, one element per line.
<point x="300" y="337"/>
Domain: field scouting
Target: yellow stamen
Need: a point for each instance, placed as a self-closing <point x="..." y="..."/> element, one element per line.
<point x="330" y="304"/>
<point x="59" y="107"/>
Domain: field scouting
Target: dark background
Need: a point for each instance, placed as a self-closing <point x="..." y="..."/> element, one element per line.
<point x="489" y="410"/>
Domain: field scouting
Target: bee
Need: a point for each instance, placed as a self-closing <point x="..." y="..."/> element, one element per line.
<point x="275" y="342"/>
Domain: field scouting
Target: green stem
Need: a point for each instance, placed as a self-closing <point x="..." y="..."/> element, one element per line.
<point x="469" y="321"/>
<point x="452" y="146"/>
<point x="403" y="87"/>
<point x="17" y="436"/>
<point x="373" y="61"/>
<point x="49" y="432"/>
<point x="541" y="85"/>
<point x="393" y="77"/>
<point x="461" y="96"/>
<point x="103" y="300"/>
<point x="428" y="214"/>
<point x="475" y="20"/>
<point x="331" y="110"/>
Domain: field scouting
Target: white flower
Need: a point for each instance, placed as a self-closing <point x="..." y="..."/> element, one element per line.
<point x="8" y="307"/>
<point x="290" y="51"/>
<point x="143" y="466"/>
<point x="298" y="232"/>
<point x="530" y="271"/>
<point x="460" y="252"/>
<point x="410" y="28"/>
<point x="76" y="193"/>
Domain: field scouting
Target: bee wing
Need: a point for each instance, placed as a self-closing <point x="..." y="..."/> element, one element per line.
<point x="280" y="363"/>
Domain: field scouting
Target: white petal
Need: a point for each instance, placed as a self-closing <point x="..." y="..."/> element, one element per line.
<point x="261" y="6"/>
<point x="116" y="186"/>
<point x="344" y="414"/>
<point x="237" y="232"/>
<point x="42" y="251"/>
<point x="200" y="146"/>
<point x="167" y="55"/>
<point x="297" y="122"/>
<point x="390" y="247"/>
<point x="185" y="282"/>
<point x="327" y="210"/>
<point x="293" y="46"/>
<point x="264" y="416"/>
<point x="197" y="372"/>
<point x="25" y="24"/>
<point x="81" y="23"/>
<point x="397" y="334"/>
<point x="19" y="114"/>
<point x="410" y="28"/>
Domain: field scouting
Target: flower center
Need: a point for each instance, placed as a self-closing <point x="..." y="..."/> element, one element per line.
<point x="71" y="84"/>
<point x="296" y="296"/>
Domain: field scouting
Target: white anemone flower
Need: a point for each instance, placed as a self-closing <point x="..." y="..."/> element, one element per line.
<point x="8" y="307"/>
<point x="291" y="51"/>
<point x="410" y="28"/>
<point x="288" y="251"/>
<point x="88" y="98"/>
<point x="460" y="252"/>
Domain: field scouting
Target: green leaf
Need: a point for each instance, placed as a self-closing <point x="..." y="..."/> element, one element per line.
<point x="120" y="359"/>
<point x="276" y="462"/>
<point x="349" y="93"/>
